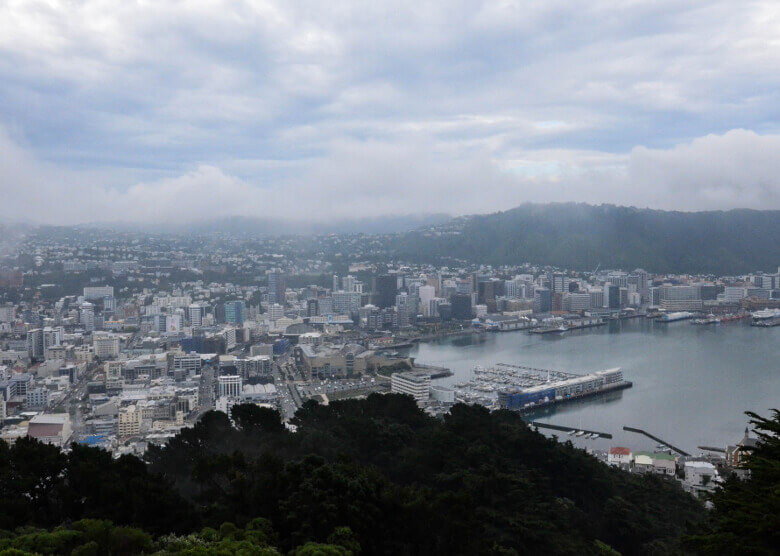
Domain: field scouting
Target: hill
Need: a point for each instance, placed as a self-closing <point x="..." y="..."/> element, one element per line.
<point x="581" y="236"/>
<point x="373" y="476"/>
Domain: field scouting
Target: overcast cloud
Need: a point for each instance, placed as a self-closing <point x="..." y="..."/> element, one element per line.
<point x="155" y="110"/>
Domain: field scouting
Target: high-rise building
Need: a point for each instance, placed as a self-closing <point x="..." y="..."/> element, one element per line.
<point x="461" y="306"/>
<point x="385" y="290"/>
<point x="275" y="312"/>
<point x="229" y="385"/>
<point x="611" y="296"/>
<point x="426" y="294"/>
<point x="234" y="312"/>
<point x="87" y="316"/>
<point x="195" y="314"/>
<point x="404" y="307"/>
<point x="277" y="287"/>
<point x="346" y="302"/>
<point x="542" y="300"/>
<point x="35" y="344"/>
<point x="680" y="298"/>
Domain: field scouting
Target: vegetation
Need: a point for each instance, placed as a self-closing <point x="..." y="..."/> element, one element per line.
<point x="373" y="476"/>
<point x="580" y="237"/>
<point x="746" y="514"/>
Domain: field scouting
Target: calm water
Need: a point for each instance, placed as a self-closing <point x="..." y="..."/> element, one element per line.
<point x="692" y="384"/>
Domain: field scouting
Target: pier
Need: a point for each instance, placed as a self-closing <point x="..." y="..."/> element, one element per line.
<point x="569" y="429"/>
<point x="664" y="442"/>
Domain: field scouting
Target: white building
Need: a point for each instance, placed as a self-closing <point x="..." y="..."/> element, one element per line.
<point x="87" y="316"/>
<point x="426" y="294"/>
<point x="98" y="292"/>
<point x="106" y="346"/>
<point x="346" y="302"/>
<point x="275" y="312"/>
<point x="129" y="422"/>
<point x="229" y="385"/>
<point x="414" y="383"/>
<point x="732" y="294"/>
<point x="619" y="456"/>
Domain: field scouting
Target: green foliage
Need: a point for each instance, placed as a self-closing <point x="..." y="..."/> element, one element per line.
<point x="379" y="476"/>
<point x="746" y="514"/>
<point x="579" y="237"/>
<point x="42" y="486"/>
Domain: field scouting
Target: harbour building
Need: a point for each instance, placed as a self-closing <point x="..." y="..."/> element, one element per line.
<point x="680" y="298"/>
<point x="414" y="383"/>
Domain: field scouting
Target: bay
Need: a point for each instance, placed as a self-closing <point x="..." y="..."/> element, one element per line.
<point x="691" y="384"/>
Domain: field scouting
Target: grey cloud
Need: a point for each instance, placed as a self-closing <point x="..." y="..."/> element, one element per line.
<point x="291" y="104"/>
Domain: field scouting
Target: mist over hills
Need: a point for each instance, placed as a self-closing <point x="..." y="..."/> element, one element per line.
<point x="581" y="237"/>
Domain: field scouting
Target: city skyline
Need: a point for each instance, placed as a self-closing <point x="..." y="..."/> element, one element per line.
<point x="133" y="112"/>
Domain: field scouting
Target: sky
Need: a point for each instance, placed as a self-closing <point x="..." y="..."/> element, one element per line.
<point x="183" y="111"/>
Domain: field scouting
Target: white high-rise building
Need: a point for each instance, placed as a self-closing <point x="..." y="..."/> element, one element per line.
<point x="426" y="293"/>
<point x="87" y="316"/>
<point x="129" y="422"/>
<point x="196" y="312"/>
<point x="229" y="385"/>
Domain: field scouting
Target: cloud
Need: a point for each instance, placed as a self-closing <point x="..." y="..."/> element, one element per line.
<point x="321" y="110"/>
<point x="373" y="179"/>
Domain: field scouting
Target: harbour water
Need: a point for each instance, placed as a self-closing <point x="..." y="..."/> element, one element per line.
<point x="691" y="384"/>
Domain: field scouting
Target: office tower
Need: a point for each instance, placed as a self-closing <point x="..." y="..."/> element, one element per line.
<point x="35" y="344"/>
<point x="275" y="312"/>
<point x="404" y="307"/>
<point x="234" y="312"/>
<point x="195" y="314"/>
<point x="174" y="323"/>
<point x="461" y="306"/>
<point x="385" y="290"/>
<point x="229" y="385"/>
<point x="312" y="306"/>
<point x="335" y="283"/>
<point x="611" y="296"/>
<point x="426" y="294"/>
<point x="680" y="298"/>
<point x="277" y="287"/>
<point x="87" y="316"/>
<point x="346" y="302"/>
<point x="542" y="300"/>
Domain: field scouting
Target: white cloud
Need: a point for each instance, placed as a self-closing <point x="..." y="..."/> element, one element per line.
<point x="351" y="108"/>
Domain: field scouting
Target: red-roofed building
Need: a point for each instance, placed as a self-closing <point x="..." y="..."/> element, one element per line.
<point x="619" y="456"/>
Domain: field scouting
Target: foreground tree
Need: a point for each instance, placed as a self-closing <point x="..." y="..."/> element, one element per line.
<point x="746" y="514"/>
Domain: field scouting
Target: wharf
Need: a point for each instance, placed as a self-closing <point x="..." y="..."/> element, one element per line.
<point x="569" y="429"/>
<point x="589" y="394"/>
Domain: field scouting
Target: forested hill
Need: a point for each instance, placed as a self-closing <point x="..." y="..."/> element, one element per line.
<point x="373" y="476"/>
<point x="580" y="237"/>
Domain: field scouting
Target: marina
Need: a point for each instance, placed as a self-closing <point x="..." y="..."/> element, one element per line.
<point x="525" y="388"/>
<point x="676" y="372"/>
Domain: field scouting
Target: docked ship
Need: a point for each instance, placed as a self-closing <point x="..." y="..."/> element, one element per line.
<point x="672" y="317"/>
<point x="709" y="319"/>
<point x="766" y="318"/>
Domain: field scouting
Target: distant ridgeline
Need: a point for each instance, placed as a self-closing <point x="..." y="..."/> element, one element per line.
<point x="581" y="237"/>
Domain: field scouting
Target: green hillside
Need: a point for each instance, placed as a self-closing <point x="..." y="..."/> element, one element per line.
<point x="580" y="237"/>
